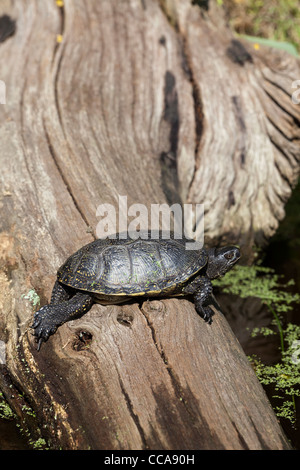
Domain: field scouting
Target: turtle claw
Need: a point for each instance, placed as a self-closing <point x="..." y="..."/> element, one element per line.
<point x="208" y="313"/>
<point x="39" y="343"/>
<point x="43" y="325"/>
<point x="205" y="312"/>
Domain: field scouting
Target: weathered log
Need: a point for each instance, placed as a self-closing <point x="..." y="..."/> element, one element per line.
<point x="247" y="141"/>
<point x="138" y="99"/>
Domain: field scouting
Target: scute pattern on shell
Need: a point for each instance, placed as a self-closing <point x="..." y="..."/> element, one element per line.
<point x="130" y="267"/>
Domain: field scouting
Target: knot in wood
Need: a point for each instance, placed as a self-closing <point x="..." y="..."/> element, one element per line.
<point x="153" y="305"/>
<point x="82" y="340"/>
<point x="125" y="319"/>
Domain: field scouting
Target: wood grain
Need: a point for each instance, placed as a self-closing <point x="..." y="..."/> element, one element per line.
<point x="141" y="101"/>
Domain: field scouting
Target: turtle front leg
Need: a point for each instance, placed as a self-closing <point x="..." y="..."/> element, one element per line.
<point x="201" y="289"/>
<point x="48" y="318"/>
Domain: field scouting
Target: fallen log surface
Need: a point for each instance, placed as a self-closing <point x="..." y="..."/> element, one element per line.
<point x="154" y="101"/>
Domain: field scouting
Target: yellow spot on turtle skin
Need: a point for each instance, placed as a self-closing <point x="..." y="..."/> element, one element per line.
<point x="59" y="38"/>
<point x="59" y="3"/>
<point x="256" y="46"/>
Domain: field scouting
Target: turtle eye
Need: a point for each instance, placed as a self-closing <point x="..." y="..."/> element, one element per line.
<point x="229" y="255"/>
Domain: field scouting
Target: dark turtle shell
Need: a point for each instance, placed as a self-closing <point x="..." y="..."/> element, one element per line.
<point x="131" y="267"/>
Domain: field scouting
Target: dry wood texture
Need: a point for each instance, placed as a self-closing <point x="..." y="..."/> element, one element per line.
<point x="154" y="101"/>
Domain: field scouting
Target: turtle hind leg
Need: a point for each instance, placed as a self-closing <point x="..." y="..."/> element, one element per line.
<point x="48" y="318"/>
<point x="60" y="293"/>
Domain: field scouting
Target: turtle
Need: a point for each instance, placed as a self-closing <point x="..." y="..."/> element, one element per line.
<point x="116" y="269"/>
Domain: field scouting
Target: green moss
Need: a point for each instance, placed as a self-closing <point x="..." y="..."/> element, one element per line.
<point x="284" y="376"/>
<point x="32" y="296"/>
<point x="39" y="444"/>
<point x="5" y="410"/>
<point x="261" y="282"/>
<point x="26" y="409"/>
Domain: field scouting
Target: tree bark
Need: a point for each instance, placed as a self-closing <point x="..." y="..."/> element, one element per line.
<point x="154" y="101"/>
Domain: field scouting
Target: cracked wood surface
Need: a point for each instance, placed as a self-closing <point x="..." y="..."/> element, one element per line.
<point x="123" y="105"/>
<point x="247" y="157"/>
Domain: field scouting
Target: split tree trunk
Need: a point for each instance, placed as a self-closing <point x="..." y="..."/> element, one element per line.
<point x="155" y="101"/>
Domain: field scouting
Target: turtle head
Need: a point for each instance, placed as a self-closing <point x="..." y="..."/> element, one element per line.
<point x="221" y="260"/>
